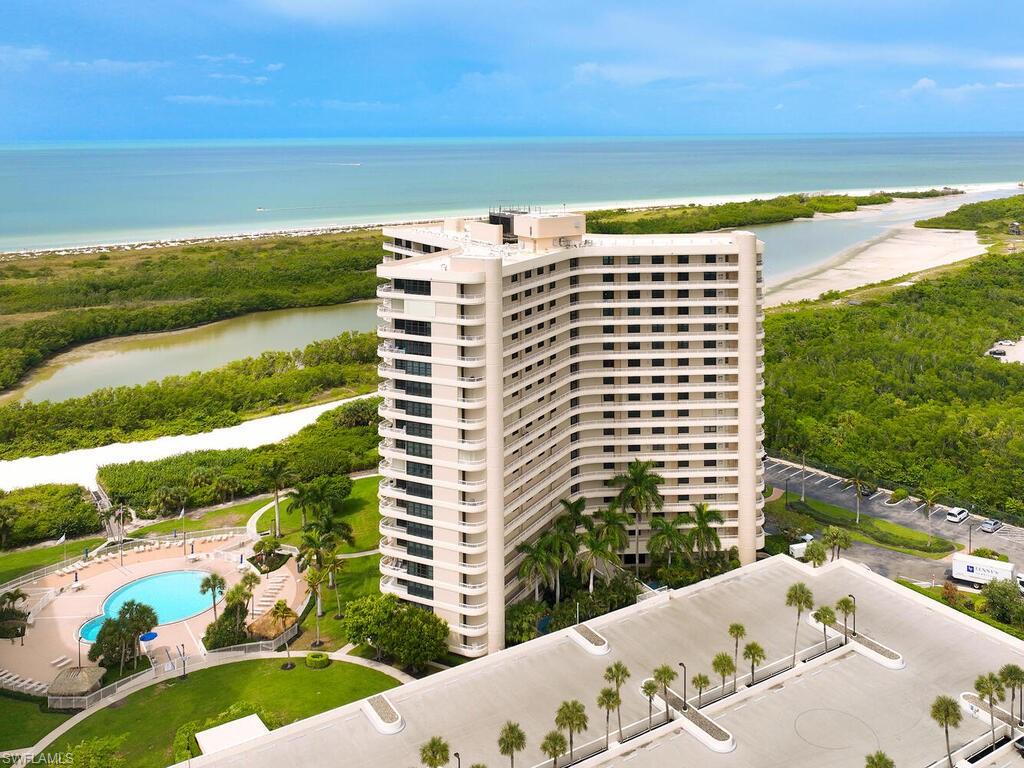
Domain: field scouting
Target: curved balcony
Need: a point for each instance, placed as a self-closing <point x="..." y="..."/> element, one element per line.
<point x="391" y="547"/>
<point x="390" y="584"/>
<point x="389" y="489"/>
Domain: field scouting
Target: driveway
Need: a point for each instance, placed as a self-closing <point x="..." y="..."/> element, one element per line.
<point x="910" y="513"/>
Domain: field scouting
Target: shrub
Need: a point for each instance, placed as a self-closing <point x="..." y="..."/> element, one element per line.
<point x="521" y="621"/>
<point x="229" y="628"/>
<point x="47" y="512"/>
<point x="991" y="554"/>
<point x="950" y="594"/>
<point x="317" y="660"/>
<point x="899" y="495"/>
<point x="185" y="745"/>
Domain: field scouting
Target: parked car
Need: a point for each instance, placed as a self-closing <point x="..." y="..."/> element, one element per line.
<point x="867" y="490"/>
<point x="956" y="515"/>
<point x="1006" y="343"/>
<point x="991" y="526"/>
<point x="997" y="352"/>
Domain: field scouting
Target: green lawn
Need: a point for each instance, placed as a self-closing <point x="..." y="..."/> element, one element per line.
<point x="935" y="593"/>
<point x="14" y="564"/>
<point x="228" y="517"/>
<point x="23" y="723"/>
<point x="359" y="511"/>
<point x="150" y="717"/>
<point x="361" y="578"/>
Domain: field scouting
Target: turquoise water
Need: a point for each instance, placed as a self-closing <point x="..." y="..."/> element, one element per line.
<point x="174" y="596"/>
<point x="57" y="196"/>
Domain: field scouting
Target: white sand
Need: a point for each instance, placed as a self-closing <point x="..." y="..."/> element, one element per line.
<point x="902" y="250"/>
<point x="80" y="466"/>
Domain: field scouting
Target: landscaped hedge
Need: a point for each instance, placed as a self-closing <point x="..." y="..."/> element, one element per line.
<point x="46" y="512"/>
<point x="185" y="745"/>
<point x="340" y="441"/>
<point x="869" y="527"/>
<point x="317" y="660"/>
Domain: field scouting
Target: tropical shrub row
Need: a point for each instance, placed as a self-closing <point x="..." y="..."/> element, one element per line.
<point x="405" y="633"/>
<point x="989" y="216"/>
<point x="342" y="440"/>
<point x="185" y="745"/>
<point x="188" y="404"/>
<point x="161" y="289"/>
<point x="45" y="512"/>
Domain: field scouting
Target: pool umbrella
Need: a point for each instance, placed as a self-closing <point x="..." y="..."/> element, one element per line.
<point x="146" y="639"/>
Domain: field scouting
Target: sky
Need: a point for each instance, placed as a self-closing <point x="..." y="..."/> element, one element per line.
<point x="80" y="70"/>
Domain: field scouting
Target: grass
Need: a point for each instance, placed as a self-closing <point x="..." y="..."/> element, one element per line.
<point x="149" y="718"/>
<point x="23" y="721"/>
<point x="14" y="564"/>
<point x="227" y="517"/>
<point x="360" y="578"/>
<point x="935" y="593"/>
<point x="115" y="673"/>
<point x="813" y="514"/>
<point x="359" y="510"/>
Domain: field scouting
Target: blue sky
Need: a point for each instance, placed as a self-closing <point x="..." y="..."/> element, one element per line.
<point x="199" y="69"/>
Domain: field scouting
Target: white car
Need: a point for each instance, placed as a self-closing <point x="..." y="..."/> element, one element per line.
<point x="1006" y="343"/>
<point x="956" y="515"/>
<point x="991" y="526"/>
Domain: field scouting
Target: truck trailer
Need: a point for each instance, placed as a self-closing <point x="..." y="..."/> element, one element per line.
<point x="978" y="571"/>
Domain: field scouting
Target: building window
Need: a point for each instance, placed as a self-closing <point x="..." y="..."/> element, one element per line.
<point x="416" y="469"/>
<point x="607" y="261"/>
<point x="632" y="259"/>
<point x="415" y="287"/>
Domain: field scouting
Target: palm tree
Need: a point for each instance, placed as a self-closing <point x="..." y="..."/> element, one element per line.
<point x="434" y="753"/>
<point x="608" y="700"/>
<point x="562" y="543"/>
<point x="878" y="760"/>
<point x="595" y="550"/>
<point x="1013" y="678"/>
<point x="574" y="511"/>
<point x="737" y="632"/>
<point x="335" y="567"/>
<point x="225" y="487"/>
<point x="826" y="617"/>
<point x="511" y="740"/>
<point x="946" y="714"/>
<point x="572" y="718"/>
<point x="799" y="596"/>
<point x="815" y="553"/>
<point x="282" y="614"/>
<point x="552" y="746"/>
<point x="612" y="525"/>
<point x="930" y="497"/>
<point x="266" y="548"/>
<point x="703" y="538"/>
<point x="238" y="595"/>
<point x="836" y="539"/>
<point x="617" y="674"/>
<point x="846" y="606"/>
<point x="213" y="583"/>
<point x="250" y="580"/>
<point x="199" y="477"/>
<point x="754" y="653"/>
<point x="315" y="546"/>
<point x="315" y="578"/>
<point x="649" y="688"/>
<point x="723" y="666"/>
<point x="701" y="682"/>
<point x="7" y="521"/>
<point x="12" y="597"/>
<point x="858" y="479"/>
<point x="309" y="498"/>
<point x="277" y="475"/>
<point x="638" y="491"/>
<point x="668" y="536"/>
<point x="664" y="676"/>
<point x="990" y="688"/>
<point x="536" y="566"/>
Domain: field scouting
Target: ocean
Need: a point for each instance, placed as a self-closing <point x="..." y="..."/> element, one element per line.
<point x="57" y="196"/>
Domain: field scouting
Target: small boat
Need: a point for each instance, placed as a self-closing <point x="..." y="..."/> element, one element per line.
<point x="260" y="210"/>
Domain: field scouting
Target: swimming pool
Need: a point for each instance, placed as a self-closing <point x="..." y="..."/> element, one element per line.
<point x="173" y="595"/>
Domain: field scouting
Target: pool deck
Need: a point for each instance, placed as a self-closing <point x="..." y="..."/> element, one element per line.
<point x="53" y="634"/>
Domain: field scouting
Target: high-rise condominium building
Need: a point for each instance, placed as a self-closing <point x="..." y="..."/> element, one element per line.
<point x="527" y="361"/>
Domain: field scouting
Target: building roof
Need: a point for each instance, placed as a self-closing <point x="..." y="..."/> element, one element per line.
<point x="76" y="681"/>
<point x="231" y="734"/>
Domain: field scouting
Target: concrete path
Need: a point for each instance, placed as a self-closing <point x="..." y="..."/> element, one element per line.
<point x="80" y="466"/>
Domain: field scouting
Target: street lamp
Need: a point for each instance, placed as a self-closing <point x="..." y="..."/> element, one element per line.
<point x="854" y="614"/>
<point x="458" y="759"/>
<point x="181" y="653"/>
<point x="970" y="530"/>
<point x="685" y="705"/>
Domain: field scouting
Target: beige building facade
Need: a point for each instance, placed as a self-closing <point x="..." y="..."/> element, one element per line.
<point x="525" y="361"/>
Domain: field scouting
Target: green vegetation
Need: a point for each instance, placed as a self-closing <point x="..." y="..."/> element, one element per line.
<point x="988" y="217"/>
<point x="185" y="744"/>
<point x="14" y="564"/>
<point x="966" y="602"/>
<point x="340" y="441"/>
<point x="24" y="720"/>
<point x="150" y="718"/>
<point x="341" y="366"/>
<point x="699" y="218"/>
<point x="225" y="517"/>
<point x="901" y="386"/>
<point x="360" y="577"/>
<point x="359" y="511"/>
<point x="45" y="512"/>
<point x="52" y="303"/>
<point x="395" y="630"/>
<point x="794" y="517"/>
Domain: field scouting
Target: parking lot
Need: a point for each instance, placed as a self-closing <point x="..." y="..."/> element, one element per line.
<point x="911" y="512"/>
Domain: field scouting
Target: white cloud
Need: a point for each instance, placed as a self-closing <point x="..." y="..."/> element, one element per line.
<point x="217" y="101"/>
<point x="621" y="74"/>
<point x="242" y="79"/>
<point x="275" y="67"/>
<point x="15" y="58"/>
<point x="224" y="58"/>
<point x="926" y="85"/>
<point x="110" y="66"/>
<point x="356" y="106"/>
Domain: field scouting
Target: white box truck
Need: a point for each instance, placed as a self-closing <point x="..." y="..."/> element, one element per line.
<point x="979" y="571"/>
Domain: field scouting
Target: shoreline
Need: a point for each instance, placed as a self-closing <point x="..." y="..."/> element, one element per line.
<point x="341" y="227"/>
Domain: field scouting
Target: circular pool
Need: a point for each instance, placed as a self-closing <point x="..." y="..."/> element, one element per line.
<point x="173" y="595"/>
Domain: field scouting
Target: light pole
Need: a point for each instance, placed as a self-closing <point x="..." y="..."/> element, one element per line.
<point x="458" y="759"/>
<point x="79" y="651"/>
<point x="181" y="653"/>
<point x="120" y="536"/>
<point x="685" y="705"/>
<point x="970" y="530"/>
<point x="854" y="614"/>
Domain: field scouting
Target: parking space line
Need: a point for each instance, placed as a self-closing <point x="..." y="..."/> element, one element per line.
<point x="837" y="482"/>
<point x="876" y="493"/>
<point x="918" y="509"/>
<point x="823" y="479"/>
